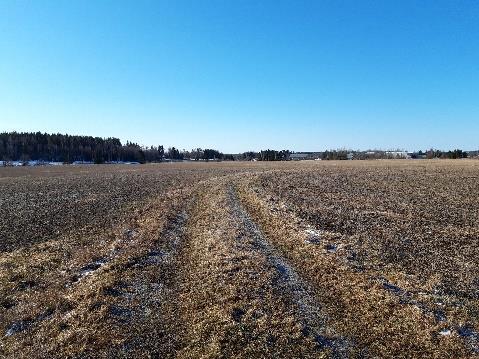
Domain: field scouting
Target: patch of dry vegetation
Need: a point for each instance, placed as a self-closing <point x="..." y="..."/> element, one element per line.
<point x="93" y="291"/>
<point x="229" y="298"/>
<point x="341" y="259"/>
<point x="59" y="296"/>
<point x="363" y="236"/>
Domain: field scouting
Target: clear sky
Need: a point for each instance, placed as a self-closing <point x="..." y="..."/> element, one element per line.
<point x="240" y="75"/>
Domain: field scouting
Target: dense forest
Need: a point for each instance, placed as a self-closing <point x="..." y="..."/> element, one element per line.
<point x="68" y="149"/>
<point x="65" y="148"/>
<point x="39" y="146"/>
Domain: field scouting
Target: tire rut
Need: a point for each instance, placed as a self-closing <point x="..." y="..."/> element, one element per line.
<point x="235" y="296"/>
<point x="143" y="299"/>
<point x="289" y="283"/>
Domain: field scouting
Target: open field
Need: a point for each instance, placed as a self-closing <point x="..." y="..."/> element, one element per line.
<point x="307" y="259"/>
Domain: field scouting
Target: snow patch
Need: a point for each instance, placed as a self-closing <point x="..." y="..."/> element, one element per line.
<point x="89" y="269"/>
<point x="313" y="236"/>
<point x="130" y="233"/>
<point x="313" y="232"/>
<point x="331" y="248"/>
<point x="17" y="327"/>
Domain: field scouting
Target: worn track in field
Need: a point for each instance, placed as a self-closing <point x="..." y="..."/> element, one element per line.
<point x="289" y="284"/>
<point x="235" y="296"/>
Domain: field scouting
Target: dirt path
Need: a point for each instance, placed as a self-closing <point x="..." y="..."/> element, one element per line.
<point x="290" y="285"/>
<point x="144" y="296"/>
<point x="236" y="297"/>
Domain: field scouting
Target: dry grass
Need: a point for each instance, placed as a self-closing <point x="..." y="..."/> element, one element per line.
<point x="339" y="259"/>
<point x="229" y="300"/>
<point x="393" y="254"/>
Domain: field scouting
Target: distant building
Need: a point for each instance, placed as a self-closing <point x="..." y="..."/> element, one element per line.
<point x="397" y="154"/>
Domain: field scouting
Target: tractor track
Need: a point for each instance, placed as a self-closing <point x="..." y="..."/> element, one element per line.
<point x="236" y="296"/>
<point x="289" y="283"/>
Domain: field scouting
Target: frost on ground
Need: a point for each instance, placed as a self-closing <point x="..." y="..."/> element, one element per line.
<point x="313" y="236"/>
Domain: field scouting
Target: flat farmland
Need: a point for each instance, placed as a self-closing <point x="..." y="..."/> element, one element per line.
<point x="289" y="259"/>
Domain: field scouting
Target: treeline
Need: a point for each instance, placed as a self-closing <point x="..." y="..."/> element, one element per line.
<point x="398" y="154"/>
<point x="198" y="154"/>
<point x="39" y="146"/>
<point x="65" y="148"/>
<point x="432" y="153"/>
<point x="334" y="155"/>
<point x="265" y="155"/>
<point x="68" y="149"/>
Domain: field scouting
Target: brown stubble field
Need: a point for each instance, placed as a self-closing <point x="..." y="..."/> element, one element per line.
<point x="309" y="259"/>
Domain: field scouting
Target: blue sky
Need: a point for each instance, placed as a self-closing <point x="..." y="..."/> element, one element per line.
<point x="240" y="75"/>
